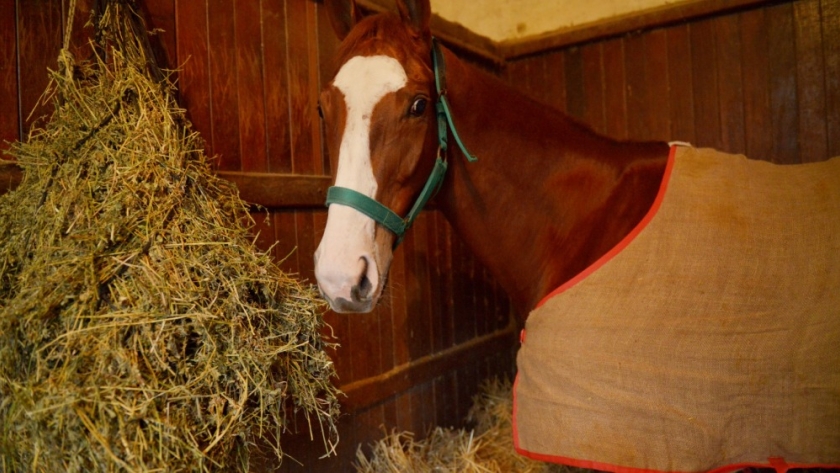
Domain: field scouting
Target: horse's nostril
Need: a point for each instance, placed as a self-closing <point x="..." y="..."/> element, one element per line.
<point x="361" y="291"/>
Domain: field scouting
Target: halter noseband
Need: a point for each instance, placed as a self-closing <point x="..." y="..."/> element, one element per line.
<point x="385" y="216"/>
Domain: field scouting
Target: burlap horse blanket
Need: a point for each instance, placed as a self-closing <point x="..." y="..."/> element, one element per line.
<point x="708" y="340"/>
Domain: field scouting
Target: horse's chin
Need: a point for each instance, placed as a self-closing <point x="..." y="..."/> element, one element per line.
<point x="343" y="306"/>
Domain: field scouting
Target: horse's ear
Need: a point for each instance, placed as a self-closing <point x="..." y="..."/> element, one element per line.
<point x="343" y="15"/>
<point x="417" y="13"/>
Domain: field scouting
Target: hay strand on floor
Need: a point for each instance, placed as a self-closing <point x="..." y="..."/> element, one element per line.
<point x="487" y="448"/>
<point x="140" y="329"/>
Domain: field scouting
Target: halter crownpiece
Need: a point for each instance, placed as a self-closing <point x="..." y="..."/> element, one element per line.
<point x="382" y="214"/>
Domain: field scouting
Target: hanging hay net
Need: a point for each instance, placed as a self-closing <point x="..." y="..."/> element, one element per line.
<point x="486" y="448"/>
<point x="140" y="329"/>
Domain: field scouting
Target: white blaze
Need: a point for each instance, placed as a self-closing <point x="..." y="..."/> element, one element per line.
<point x="347" y="247"/>
<point x="363" y="80"/>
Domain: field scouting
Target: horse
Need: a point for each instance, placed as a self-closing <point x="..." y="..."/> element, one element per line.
<point x="542" y="182"/>
<point x="634" y="359"/>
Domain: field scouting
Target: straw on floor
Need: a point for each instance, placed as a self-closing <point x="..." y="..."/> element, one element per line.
<point x="486" y="448"/>
<point x="140" y="328"/>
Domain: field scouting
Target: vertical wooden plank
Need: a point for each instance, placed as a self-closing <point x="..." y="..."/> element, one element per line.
<point x="657" y="107"/>
<point x="194" y="77"/>
<point x="414" y="304"/>
<point x="328" y="44"/>
<point x="224" y="100"/>
<point x="82" y="31"/>
<point x="464" y="291"/>
<point x="448" y="296"/>
<point x="638" y="120"/>
<point x="756" y="84"/>
<point x="399" y="312"/>
<point x="286" y="251"/>
<point x="615" y="103"/>
<point x="731" y="102"/>
<point x="555" y="79"/>
<point x="831" y="53"/>
<point x="368" y="429"/>
<point x="781" y="49"/>
<point x="366" y="357"/>
<point x="704" y="78"/>
<point x="423" y="404"/>
<point x="540" y="85"/>
<point x="275" y="79"/>
<point x="680" y="86"/>
<point x="437" y="308"/>
<point x="593" y="80"/>
<point x="39" y="33"/>
<point x="517" y="74"/>
<point x="575" y="93"/>
<point x="10" y="115"/>
<point x="160" y="17"/>
<point x="307" y="243"/>
<point x="314" y="88"/>
<point x="445" y="393"/>
<point x="301" y="106"/>
<point x="252" y="119"/>
<point x="264" y="230"/>
<point x="405" y="413"/>
<point x="424" y="332"/>
<point x="810" y="81"/>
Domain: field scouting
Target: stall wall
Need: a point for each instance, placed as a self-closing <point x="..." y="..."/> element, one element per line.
<point x="250" y="74"/>
<point x="764" y="81"/>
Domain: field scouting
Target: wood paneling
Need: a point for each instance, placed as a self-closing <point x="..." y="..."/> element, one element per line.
<point x="760" y="79"/>
<point x="615" y="26"/>
<point x="10" y="115"/>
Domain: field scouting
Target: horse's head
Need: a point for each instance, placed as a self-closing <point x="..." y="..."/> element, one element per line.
<point x="380" y="124"/>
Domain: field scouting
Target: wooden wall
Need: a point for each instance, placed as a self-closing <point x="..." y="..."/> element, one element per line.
<point x="250" y="75"/>
<point x="762" y="80"/>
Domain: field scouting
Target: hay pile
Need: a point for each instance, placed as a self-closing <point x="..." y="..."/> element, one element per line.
<point x="140" y="329"/>
<point x="487" y="448"/>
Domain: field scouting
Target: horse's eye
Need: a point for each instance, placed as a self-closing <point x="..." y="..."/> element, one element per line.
<point x="418" y="107"/>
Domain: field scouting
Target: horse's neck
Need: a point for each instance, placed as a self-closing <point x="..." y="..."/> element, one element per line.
<point x="547" y="196"/>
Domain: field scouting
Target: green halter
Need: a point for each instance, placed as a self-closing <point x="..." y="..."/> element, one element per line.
<point x="385" y="216"/>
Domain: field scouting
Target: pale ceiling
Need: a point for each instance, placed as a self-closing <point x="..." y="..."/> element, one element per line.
<point x="503" y="20"/>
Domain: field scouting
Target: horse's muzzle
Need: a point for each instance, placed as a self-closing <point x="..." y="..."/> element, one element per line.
<point x="347" y="290"/>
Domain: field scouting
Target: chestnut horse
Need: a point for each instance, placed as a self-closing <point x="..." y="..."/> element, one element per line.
<point x="544" y="199"/>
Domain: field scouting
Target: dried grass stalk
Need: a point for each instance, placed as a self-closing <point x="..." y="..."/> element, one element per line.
<point x="140" y="329"/>
<point x="487" y="448"/>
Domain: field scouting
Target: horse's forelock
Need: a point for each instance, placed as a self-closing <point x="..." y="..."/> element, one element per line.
<point x="387" y="35"/>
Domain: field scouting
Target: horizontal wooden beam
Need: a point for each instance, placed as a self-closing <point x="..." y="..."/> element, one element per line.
<point x="290" y="191"/>
<point x="280" y="190"/>
<point x="370" y="391"/>
<point x="622" y="24"/>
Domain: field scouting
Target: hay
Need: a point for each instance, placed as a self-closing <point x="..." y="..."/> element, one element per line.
<point x="487" y="448"/>
<point x="140" y="329"/>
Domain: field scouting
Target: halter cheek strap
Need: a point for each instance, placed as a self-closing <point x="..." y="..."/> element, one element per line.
<point x="382" y="214"/>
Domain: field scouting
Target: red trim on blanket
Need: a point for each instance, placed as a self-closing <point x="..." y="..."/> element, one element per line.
<point x="778" y="463"/>
<point x="666" y="177"/>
